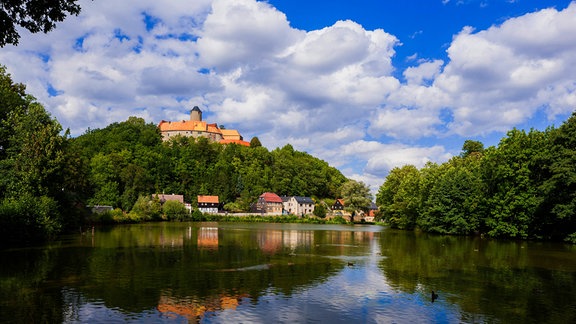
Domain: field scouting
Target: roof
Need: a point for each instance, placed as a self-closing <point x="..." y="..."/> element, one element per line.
<point x="213" y="128"/>
<point x="271" y="197"/>
<point x="208" y="199"/>
<point x="185" y="125"/>
<point x="341" y="201"/>
<point x="173" y="197"/>
<point x="231" y="134"/>
<point x="304" y="200"/>
<point x="231" y="141"/>
<point x="196" y="109"/>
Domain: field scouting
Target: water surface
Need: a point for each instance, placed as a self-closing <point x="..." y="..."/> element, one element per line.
<point x="285" y="273"/>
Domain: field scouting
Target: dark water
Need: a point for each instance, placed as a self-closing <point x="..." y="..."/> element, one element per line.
<point x="285" y="273"/>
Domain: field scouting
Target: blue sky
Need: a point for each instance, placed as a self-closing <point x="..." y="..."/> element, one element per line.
<point x="365" y="85"/>
<point x="425" y="27"/>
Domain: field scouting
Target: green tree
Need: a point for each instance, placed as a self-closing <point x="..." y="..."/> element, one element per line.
<point x="557" y="217"/>
<point x="147" y="208"/>
<point x="174" y="210"/>
<point x="320" y="210"/>
<point x="13" y="97"/>
<point x="471" y="147"/>
<point x="399" y="197"/>
<point x="512" y="181"/>
<point x="453" y="203"/>
<point x="35" y="151"/>
<point x="32" y="164"/>
<point x="34" y="15"/>
<point x="255" y="142"/>
<point x="356" y="195"/>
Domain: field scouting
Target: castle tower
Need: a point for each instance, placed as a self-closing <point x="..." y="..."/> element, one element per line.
<point x="196" y="114"/>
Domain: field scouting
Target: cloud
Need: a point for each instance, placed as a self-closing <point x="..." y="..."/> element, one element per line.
<point x="242" y="32"/>
<point x="426" y="71"/>
<point x="499" y="77"/>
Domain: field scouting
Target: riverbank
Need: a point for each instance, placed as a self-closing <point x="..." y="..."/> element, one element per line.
<point x="119" y="217"/>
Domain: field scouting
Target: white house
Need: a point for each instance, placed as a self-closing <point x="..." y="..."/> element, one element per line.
<point x="297" y="205"/>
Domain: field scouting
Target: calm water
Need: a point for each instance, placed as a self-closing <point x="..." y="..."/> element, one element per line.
<point x="285" y="273"/>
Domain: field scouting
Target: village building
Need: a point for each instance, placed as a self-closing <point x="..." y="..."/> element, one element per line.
<point x="338" y="205"/>
<point x="371" y="212"/>
<point x="208" y="204"/>
<point x="268" y="203"/>
<point x="164" y="198"/>
<point x="196" y="127"/>
<point x="179" y="198"/>
<point x="297" y="205"/>
<point x="99" y="209"/>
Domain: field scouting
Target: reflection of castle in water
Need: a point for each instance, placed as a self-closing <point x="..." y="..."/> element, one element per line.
<point x="193" y="309"/>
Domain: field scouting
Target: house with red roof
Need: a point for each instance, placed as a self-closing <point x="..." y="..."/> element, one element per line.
<point x="268" y="203"/>
<point x="208" y="204"/>
<point x="338" y="205"/>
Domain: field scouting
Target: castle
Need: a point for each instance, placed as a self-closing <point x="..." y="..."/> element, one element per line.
<point x="195" y="127"/>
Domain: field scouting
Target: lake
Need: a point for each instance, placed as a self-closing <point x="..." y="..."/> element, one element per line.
<point x="285" y="273"/>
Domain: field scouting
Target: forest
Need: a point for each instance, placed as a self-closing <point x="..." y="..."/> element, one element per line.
<point x="523" y="188"/>
<point x="47" y="178"/>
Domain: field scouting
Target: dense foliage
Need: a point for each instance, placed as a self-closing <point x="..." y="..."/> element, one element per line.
<point x="35" y="200"/>
<point x="523" y="188"/>
<point x="34" y="15"/>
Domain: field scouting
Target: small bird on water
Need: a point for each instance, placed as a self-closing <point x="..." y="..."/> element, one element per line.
<point x="434" y="296"/>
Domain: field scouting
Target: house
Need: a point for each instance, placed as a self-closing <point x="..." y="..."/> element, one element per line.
<point x="208" y="204"/>
<point x="338" y="205"/>
<point x="268" y="203"/>
<point x="297" y="205"/>
<point x="164" y="198"/>
<point x="195" y="127"/>
<point x="371" y="212"/>
<point x="99" y="209"/>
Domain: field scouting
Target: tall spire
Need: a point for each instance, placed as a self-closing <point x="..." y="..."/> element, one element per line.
<point x="196" y="114"/>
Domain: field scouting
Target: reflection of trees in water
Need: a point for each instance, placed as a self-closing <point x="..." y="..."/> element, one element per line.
<point x="171" y="267"/>
<point x="501" y="279"/>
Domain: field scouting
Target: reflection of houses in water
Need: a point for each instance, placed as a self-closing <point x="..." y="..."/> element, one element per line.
<point x="298" y="238"/>
<point x="192" y="308"/>
<point x="342" y="240"/>
<point x="270" y="241"/>
<point x="208" y="237"/>
<point x="274" y="240"/>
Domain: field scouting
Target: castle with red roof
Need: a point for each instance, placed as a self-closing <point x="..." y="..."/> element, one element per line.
<point x="195" y="127"/>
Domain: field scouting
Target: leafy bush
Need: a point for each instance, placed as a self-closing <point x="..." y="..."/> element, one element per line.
<point x="198" y="216"/>
<point x="146" y="208"/>
<point x="337" y="220"/>
<point x="29" y="219"/>
<point x="174" y="210"/>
